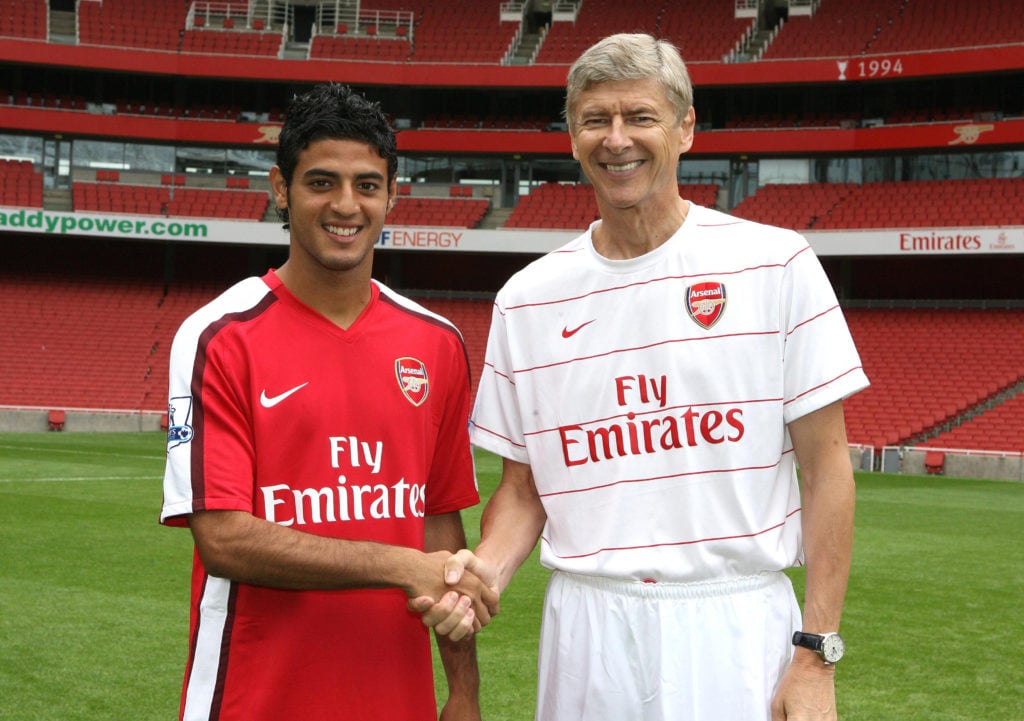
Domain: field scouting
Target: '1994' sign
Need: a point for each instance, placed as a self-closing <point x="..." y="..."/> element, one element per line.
<point x="874" y="68"/>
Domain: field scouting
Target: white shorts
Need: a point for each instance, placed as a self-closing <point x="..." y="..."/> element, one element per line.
<point x="630" y="651"/>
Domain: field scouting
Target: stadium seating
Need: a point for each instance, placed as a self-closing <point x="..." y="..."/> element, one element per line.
<point x="438" y="212"/>
<point x="948" y="24"/>
<point x="481" y="37"/>
<point x="799" y="206"/>
<point x="105" y="344"/>
<point x="1000" y="428"/>
<point x="20" y="184"/>
<point x="703" y="31"/>
<point x="232" y="42"/>
<point x="170" y="199"/>
<point x="52" y="324"/>
<point x="473" y="319"/>
<point x="904" y="204"/>
<point x="79" y="343"/>
<point x="928" y="367"/>
<point x="23" y="19"/>
<point x="562" y="206"/>
<point x="932" y="204"/>
<point x="836" y="29"/>
<point x="133" y="23"/>
<point x="337" y="47"/>
<point x="842" y="29"/>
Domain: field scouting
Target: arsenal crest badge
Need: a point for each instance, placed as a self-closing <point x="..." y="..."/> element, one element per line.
<point x="412" y="379"/>
<point x="705" y="302"/>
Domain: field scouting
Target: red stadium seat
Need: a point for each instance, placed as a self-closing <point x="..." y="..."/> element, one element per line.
<point x="56" y="419"/>
<point x="935" y="462"/>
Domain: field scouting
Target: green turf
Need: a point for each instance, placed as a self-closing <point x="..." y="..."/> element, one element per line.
<point x="94" y="593"/>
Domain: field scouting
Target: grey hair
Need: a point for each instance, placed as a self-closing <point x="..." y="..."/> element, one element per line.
<point x="630" y="56"/>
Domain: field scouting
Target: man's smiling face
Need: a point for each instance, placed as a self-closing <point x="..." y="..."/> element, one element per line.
<point x="627" y="138"/>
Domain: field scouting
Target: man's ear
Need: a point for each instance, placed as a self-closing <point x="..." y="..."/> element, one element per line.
<point x="392" y="193"/>
<point x="279" y="187"/>
<point x="686" y="131"/>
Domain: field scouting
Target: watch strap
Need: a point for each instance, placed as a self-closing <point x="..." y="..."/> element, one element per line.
<point x="812" y="641"/>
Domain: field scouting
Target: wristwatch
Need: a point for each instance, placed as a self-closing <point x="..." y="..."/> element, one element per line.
<point x="829" y="646"/>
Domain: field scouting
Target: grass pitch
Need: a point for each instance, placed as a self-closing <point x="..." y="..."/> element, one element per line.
<point x="94" y="593"/>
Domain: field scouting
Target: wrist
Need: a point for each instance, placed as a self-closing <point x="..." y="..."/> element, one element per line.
<point x="808" y="660"/>
<point x="406" y="566"/>
<point x="829" y="647"/>
<point x="498" y="563"/>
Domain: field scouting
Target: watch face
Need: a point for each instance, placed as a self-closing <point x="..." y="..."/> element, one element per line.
<point x="832" y="648"/>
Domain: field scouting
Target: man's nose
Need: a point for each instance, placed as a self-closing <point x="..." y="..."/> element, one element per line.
<point x="617" y="138"/>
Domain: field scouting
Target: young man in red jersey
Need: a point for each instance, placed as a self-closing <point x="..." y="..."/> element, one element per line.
<point x="319" y="452"/>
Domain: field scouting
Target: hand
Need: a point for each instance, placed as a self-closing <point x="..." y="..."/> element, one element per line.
<point x="807" y="691"/>
<point x="446" y="613"/>
<point x="465" y="603"/>
<point x="451" y="614"/>
<point x="465" y="560"/>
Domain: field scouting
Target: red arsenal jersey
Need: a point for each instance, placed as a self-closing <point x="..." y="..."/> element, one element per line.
<point x="355" y="434"/>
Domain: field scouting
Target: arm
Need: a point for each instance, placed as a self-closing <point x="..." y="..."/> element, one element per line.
<point x="807" y="690"/>
<point x="241" y="547"/>
<point x="445" y="533"/>
<point x="511" y="524"/>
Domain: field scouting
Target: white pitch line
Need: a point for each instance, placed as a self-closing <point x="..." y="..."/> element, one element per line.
<point x="81" y="478"/>
<point x="77" y="452"/>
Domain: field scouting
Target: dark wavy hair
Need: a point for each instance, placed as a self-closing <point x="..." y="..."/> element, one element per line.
<point x="332" y="111"/>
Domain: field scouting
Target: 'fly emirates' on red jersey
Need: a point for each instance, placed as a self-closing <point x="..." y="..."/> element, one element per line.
<point x="354" y="434"/>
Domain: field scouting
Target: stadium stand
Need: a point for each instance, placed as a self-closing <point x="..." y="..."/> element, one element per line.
<point x="913" y="355"/>
<point x="480" y="38"/>
<point x="23" y="19"/>
<point x="231" y="42"/>
<point x="54" y="324"/>
<point x="704" y="31"/>
<point x="835" y="30"/>
<point x="170" y="199"/>
<point x="928" y="26"/>
<point x="930" y="367"/>
<point x="131" y="23"/>
<point x="20" y="184"/>
<point x="343" y="47"/>
<point x="571" y="206"/>
<point x="80" y="343"/>
<point x="439" y="212"/>
<point x="1000" y="427"/>
<point x="839" y="29"/>
<point x="907" y="204"/>
<point x="473" y="318"/>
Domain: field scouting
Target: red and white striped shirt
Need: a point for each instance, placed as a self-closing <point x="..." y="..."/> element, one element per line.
<point x="650" y="397"/>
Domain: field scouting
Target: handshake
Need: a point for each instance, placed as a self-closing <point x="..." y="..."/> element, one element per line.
<point x="465" y="599"/>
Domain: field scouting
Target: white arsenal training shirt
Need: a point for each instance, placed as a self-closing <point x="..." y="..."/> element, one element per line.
<point x="651" y="397"/>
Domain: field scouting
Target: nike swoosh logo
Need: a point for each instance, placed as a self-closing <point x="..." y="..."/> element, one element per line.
<point x="271" y="401"/>
<point x="566" y="333"/>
